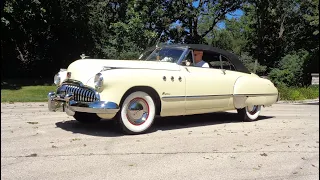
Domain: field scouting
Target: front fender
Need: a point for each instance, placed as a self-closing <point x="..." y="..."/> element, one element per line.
<point x="118" y="81"/>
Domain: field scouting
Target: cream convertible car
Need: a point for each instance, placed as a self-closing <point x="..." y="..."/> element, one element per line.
<point x="164" y="82"/>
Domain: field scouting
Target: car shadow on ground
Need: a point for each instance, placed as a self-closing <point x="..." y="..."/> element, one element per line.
<point x="107" y="128"/>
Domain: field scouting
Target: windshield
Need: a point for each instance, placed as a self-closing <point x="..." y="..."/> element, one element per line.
<point x="165" y="54"/>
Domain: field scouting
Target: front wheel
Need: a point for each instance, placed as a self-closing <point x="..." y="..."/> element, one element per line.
<point x="249" y="113"/>
<point x="137" y="113"/>
<point x="86" y="117"/>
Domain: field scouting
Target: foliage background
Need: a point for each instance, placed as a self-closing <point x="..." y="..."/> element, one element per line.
<point x="38" y="37"/>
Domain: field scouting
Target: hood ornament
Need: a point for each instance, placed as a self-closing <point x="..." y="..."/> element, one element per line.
<point x="83" y="56"/>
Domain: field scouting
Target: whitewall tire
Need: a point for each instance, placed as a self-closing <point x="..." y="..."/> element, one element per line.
<point x="137" y="113"/>
<point x="249" y="113"/>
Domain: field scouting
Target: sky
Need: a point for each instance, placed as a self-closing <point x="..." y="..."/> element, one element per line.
<point x="236" y="14"/>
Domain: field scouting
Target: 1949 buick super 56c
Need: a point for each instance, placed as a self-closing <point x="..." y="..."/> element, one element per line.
<point x="164" y="81"/>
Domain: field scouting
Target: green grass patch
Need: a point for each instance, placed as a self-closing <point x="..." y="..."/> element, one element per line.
<point x="27" y="94"/>
<point x="298" y="93"/>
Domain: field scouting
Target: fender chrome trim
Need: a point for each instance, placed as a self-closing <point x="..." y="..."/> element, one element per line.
<point x="208" y="97"/>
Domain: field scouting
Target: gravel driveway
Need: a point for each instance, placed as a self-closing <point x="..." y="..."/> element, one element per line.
<point x="282" y="144"/>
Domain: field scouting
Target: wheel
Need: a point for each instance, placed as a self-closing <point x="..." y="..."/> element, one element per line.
<point x="86" y="117"/>
<point x="137" y="113"/>
<point x="249" y="113"/>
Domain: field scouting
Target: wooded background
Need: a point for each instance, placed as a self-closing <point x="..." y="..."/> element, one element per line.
<point x="38" y="37"/>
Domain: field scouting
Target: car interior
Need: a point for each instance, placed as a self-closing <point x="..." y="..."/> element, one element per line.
<point x="213" y="59"/>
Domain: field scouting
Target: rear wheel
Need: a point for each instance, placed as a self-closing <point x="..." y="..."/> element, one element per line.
<point x="86" y="117"/>
<point x="137" y="113"/>
<point x="249" y="113"/>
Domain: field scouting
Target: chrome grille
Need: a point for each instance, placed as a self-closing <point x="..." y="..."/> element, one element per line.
<point x="82" y="94"/>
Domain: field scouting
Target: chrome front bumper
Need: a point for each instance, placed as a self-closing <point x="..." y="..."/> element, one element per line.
<point x="64" y="103"/>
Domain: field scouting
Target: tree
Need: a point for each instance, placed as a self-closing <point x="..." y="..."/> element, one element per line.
<point x="23" y="25"/>
<point x="278" y="29"/>
<point x="38" y="34"/>
<point x="197" y="21"/>
<point x="310" y="9"/>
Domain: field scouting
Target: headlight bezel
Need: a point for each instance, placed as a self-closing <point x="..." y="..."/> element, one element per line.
<point x="57" y="79"/>
<point x="60" y="77"/>
<point x="98" y="81"/>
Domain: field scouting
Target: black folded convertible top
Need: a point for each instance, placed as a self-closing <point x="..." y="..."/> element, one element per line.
<point x="232" y="57"/>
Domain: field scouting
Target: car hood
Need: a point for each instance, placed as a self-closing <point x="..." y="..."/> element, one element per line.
<point x="85" y="69"/>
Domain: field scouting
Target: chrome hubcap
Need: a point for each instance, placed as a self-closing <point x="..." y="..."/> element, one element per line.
<point x="137" y="111"/>
<point x="252" y="109"/>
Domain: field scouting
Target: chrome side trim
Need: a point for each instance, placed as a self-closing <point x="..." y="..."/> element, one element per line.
<point x="174" y="98"/>
<point x="208" y="97"/>
<point x="112" y="68"/>
<point x="253" y="95"/>
<point x="192" y="98"/>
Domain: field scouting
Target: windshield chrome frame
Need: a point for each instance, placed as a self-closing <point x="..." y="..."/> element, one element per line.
<point x="184" y="48"/>
<point x="184" y="55"/>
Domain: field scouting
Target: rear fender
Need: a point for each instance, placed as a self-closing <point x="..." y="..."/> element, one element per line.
<point x="252" y="90"/>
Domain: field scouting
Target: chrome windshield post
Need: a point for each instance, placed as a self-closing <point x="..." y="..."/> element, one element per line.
<point x="183" y="55"/>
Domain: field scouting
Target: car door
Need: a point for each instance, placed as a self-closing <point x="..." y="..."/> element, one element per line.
<point x="208" y="89"/>
<point x="172" y="93"/>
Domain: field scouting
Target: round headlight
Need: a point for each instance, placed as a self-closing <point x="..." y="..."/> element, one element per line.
<point x="57" y="79"/>
<point x="98" y="81"/>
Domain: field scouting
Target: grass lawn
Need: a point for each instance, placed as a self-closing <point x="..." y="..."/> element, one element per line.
<point x="27" y="94"/>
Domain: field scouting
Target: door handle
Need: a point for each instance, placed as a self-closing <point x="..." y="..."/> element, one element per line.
<point x="180" y="79"/>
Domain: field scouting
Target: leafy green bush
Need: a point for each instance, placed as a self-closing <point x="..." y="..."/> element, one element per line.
<point x="290" y="71"/>
<point x="298" y="93"/>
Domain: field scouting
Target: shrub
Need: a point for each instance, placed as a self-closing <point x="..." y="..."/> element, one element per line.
<point x="290" y="71"/>
<point x="298" y="93"/>
<point x="281" y="77"/>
